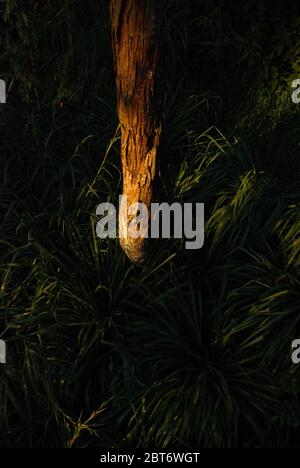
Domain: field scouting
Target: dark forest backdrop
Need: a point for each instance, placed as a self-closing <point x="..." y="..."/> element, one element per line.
<point x="190" y="350"/>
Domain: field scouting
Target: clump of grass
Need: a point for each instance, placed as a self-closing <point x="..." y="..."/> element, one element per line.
<point x="190" y="350"/>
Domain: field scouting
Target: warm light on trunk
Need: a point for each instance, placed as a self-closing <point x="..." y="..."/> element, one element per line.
<point x="136" y="47"/>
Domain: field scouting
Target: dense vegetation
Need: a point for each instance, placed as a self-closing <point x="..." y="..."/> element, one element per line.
<point x="190" y="350"/>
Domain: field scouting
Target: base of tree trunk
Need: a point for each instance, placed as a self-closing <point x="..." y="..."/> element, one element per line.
<point x="135" y="39"/>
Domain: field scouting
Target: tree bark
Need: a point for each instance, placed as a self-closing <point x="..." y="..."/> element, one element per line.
<point x="136" y="49"/>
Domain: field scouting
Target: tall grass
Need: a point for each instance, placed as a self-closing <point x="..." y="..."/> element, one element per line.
<point x="190" y="350"/>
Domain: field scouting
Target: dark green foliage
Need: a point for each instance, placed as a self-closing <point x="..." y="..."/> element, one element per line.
<point x="194" y="349"/>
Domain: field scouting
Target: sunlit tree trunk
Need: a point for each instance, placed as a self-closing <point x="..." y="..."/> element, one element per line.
<point x="136" y="48"/>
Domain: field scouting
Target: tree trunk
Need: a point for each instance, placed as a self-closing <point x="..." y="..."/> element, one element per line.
<point x="136" y="48"/>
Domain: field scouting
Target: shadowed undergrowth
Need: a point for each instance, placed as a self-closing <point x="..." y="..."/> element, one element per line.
<point x="191" y="350"/>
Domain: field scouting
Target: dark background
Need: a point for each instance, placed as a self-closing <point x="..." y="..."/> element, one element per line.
<point x="192" y="350"/>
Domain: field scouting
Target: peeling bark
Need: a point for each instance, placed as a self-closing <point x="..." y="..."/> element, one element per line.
<point x="136" y="49"/>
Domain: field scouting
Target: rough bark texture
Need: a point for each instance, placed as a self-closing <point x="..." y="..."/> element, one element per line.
<point x="136" y="48"/>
